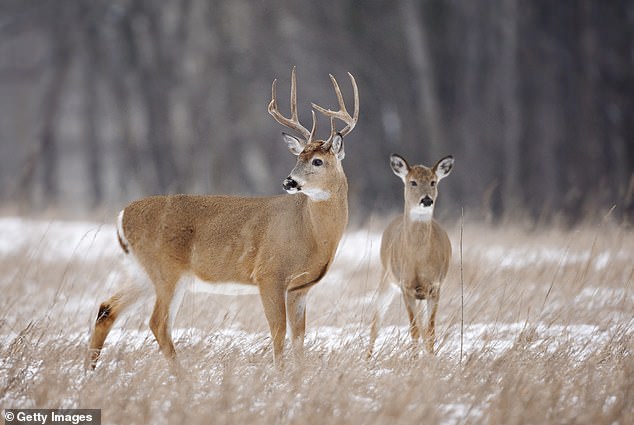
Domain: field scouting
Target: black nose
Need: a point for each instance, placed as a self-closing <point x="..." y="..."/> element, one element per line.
<point x="427" y="201"/>
<point x="289" y="184"/>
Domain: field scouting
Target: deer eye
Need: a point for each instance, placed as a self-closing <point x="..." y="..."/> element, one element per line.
<point x="433" y="183"/>
<point x="318" y="162"/>
<point x="413" y="183"/>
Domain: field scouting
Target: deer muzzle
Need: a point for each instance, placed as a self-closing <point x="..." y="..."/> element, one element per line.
<point x="426" y="201"/>
<point x="290" y="185"/>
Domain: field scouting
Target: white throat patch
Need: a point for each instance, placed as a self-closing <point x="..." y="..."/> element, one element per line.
<point x="421" y="213"/>
<point x="316" y="194"/>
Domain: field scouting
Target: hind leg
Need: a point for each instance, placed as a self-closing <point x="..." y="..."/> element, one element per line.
<point x="382" y="303"/>
<point x="109" y="312"/>
<point x="168" y="299"/>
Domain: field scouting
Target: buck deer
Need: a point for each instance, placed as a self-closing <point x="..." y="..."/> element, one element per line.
<point x="280" y="245"/>
<point x="415" y="250"/>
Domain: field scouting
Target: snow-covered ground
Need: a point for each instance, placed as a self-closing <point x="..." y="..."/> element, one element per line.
<point x="57" y="240"/>
<point x="564" y="295"/>
<point x="61" y="242"/>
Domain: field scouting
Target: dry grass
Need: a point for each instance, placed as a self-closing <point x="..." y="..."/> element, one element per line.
<point x="549" y="338"/>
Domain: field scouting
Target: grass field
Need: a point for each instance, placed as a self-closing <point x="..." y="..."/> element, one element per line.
<point x="548" y="336"/>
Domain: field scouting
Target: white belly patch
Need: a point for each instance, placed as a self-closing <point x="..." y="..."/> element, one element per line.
<point x="222" y="288"/>
<point x="193" y="284"/>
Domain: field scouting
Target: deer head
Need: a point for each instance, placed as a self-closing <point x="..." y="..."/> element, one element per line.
<point x="421" y="185"/>
<point x="318" y="169"/>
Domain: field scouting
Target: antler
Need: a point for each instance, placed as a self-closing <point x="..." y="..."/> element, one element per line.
<point x="342" y="114"/>
<point x="292" y="122"/>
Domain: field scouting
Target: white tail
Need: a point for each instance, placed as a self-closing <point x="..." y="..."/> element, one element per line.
<point x="279" y="245"/>
<point x="415" y="250"/>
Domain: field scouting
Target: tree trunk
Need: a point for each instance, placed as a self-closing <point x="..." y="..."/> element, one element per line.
<point x="156" y="78"/>
<point x="511" y="190"/>
<point x="91" y="133"/>
<point x="45" y="152"/>
<point x="424" y="81"/>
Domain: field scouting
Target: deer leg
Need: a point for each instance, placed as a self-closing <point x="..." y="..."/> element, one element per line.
<point x="430" y="332"/>
<point x="384" y="298"/>
<point x="412" y="312"/>
<point x="274" y="303"/>
<point x="109" y="312"/>
<point x="161" y="320"/>
<point x="296" y="310"/>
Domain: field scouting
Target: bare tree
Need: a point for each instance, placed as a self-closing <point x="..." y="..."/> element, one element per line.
<point x="424" y="79"/>
<point x="44" y="152"/>
<point x="91" y="68"/>
<point x="531" y="97"/>
<point x="511" y="126"/>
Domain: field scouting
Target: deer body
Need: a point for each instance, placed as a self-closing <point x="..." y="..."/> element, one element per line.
<point x="416" y="253"/>
<point x="415" y="250"/>
<point x="279" y="245"/>
<point x="235" y="239"/>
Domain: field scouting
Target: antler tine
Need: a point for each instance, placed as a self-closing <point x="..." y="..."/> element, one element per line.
<point x="273" y="102"/>
<point x="294" y="96"/>
<point x="355" y="91"/>
<point x="333" y="126"/>
<point x="312" y="130"/>
<point x="292" y="122"/>
<point x="342" y="114"/>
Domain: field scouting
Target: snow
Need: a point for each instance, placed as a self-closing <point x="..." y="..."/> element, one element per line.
<point x="359" y="247"/>
<point x="596" y="296"/>
<point x="56" y="240"/>
<point x="506" y="257"/>
<point x="64" y="241"/>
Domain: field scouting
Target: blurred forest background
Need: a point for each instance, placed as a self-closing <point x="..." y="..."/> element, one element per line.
<point x="104" y="101"/>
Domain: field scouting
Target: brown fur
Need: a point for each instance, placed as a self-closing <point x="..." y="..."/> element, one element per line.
<point x="415" y="254"/>
<point x="281" y="244"/>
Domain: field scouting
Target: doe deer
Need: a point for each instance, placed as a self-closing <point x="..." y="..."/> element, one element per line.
<point x="280" y="245"/>
<point x="415" y="250"/>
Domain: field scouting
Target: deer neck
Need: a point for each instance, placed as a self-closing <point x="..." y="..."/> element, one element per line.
<point x="416" y="231"/>
<point x="328" y="218"/>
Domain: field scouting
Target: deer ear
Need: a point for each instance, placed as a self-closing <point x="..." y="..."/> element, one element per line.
<point x="399" y="165"/>
<point x="337" y="146"/>
<point x="443" y="167"/>
<point x="295" y="145"/>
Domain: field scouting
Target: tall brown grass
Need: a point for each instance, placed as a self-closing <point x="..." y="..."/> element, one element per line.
<point x="548" y="327"/>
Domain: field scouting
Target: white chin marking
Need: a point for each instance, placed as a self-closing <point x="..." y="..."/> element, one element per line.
<point x="291" y="191"/>
<point x="316" y="194"/>
<point x="421" y="213"/>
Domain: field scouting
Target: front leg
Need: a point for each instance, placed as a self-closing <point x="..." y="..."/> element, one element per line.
<point x="273" y="300"/>
<point x="296" y="310"/>
<point x="430" y="332"/>
<point x="412" y="311"/>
